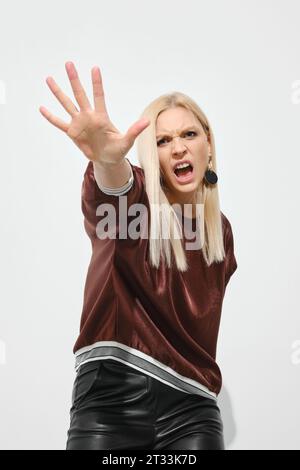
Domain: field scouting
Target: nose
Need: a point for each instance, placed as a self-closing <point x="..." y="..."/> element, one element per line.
<point x="177" y="145"/>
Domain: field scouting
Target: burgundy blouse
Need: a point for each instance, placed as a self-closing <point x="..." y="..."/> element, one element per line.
<point x="162" y="322"/>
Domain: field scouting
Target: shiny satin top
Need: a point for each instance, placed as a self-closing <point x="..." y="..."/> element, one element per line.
<point x="167" y="318"/>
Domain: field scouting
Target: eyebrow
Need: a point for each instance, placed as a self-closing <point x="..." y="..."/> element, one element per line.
<point x="183" y="130"/>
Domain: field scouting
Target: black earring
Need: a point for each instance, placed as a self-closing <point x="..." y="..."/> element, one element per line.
<point x="210" y="176"/>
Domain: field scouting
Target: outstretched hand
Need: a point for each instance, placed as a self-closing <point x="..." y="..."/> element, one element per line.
<point x="91" y="129"/>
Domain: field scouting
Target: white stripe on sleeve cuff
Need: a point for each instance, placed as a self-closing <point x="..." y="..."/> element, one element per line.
<point x="123" y="189"/>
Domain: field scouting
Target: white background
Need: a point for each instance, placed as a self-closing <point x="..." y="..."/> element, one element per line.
<point x="240" y="61"/>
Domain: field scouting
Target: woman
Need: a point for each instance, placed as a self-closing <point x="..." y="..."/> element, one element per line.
<point x="145" y="355"/>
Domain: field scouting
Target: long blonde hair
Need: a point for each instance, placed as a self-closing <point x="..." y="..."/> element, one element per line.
<point x="208" y="196"/>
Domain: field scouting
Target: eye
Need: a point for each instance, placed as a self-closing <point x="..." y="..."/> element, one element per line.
<point x="191" y="132"/>
<point x="188" y="132"/>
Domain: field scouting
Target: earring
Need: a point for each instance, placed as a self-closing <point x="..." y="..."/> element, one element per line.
<point x="210" y="176"/>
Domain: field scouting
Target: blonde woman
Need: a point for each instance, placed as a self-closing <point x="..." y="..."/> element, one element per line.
<point x="162" y="255"/>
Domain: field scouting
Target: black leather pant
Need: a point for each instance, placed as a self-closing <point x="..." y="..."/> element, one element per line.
<point x="115" y="406"/>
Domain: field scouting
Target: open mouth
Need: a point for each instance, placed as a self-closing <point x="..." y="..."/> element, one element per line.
<point x="184" y="173"/>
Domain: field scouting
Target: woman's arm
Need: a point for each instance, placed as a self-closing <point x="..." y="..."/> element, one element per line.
<point x="112" y="176"/>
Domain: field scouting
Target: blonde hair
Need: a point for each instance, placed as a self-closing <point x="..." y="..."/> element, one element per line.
<point x="165" y="216"/>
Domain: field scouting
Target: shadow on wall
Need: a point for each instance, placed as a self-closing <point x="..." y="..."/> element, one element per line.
<point x="225" y="405"/>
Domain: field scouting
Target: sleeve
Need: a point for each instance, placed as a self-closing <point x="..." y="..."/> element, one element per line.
<point x="123" y="189"/>
<point x="230" y="260"/>
<point x="92" y="196"/>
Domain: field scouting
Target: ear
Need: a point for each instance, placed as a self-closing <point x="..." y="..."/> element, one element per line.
<point x="209" y="148"/>
<point x="208" y="143"/>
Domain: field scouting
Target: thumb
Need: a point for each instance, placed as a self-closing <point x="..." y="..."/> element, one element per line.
<point x="135" y="130"/>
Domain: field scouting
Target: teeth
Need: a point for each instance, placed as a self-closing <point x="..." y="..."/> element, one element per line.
<point x="182" y="165"/>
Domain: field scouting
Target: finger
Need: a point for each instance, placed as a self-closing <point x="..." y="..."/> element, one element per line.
<point x="77" y="88"/>
<point x="57" y="122"/>
<point x="64" y="100"/>
<point x="98" y="92"/>
<point x="135" y="130"/>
